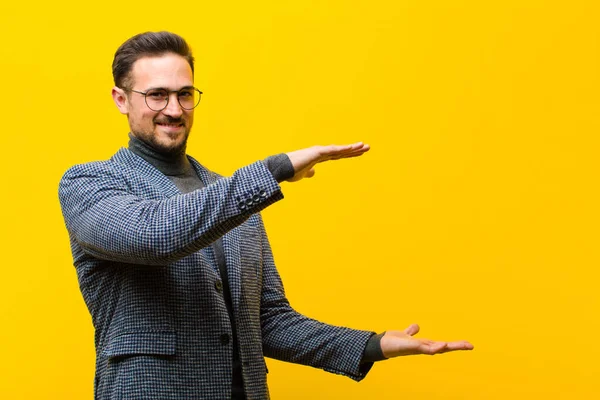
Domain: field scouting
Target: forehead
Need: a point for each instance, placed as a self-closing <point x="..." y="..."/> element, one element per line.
<point x="169" y="71"/>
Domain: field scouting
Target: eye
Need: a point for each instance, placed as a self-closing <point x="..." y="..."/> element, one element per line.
<point x="186" y="93"/>
<point x="157" y="94"/>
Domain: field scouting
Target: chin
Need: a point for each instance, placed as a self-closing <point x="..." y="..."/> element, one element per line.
<point x="170" y="145"/>
<point x="163" y="142"/>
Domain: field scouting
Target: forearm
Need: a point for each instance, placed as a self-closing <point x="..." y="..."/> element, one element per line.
<point x="292" y="337"/>
<point x="110" y="222"/>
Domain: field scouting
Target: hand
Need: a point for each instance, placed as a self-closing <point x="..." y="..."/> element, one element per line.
<point x="402" y="343"/>
<point x="305" y="160"/>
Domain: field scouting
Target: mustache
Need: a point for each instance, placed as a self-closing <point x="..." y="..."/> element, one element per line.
<point x="169" y="120"/>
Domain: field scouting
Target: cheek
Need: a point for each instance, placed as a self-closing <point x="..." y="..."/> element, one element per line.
<point x="145" y="118"/>
<point x="149" y="118"/>
<point x="142" y="121"/>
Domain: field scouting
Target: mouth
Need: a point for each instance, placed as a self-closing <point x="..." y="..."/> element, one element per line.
<point x="170" y="126"/>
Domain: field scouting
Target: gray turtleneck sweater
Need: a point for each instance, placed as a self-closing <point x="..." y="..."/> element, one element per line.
<point x="180" y="171"/>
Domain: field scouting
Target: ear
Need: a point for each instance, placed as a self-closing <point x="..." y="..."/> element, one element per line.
<point x="120" y="98"/>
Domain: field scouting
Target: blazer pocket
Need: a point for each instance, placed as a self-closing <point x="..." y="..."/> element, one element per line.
<point x="132" y="343"/>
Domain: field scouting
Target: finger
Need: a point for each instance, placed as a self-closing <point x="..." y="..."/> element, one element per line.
<point x="432" y="348"/>
<point x="350" y="154"/>
<point x="310" y="173"/>
<point x="341" y="149"/>
<point x="356" y="153"/>
<point x="413" y="329"/>
<point x="460" y="345"/>
<point x="334" y="149"/>
<point x="360" y="146"/>
<point x="357" y="145"/>
<point x="359" y="150"/>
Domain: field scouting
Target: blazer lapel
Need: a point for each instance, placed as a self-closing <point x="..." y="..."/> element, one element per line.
<point x="231" y="243"/>
<point x="231" y="240"/>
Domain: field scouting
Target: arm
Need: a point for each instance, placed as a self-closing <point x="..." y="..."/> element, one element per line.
<point x="110" y="221"/>
<point x="290" y="336"/>
<point x="403" y="343"/>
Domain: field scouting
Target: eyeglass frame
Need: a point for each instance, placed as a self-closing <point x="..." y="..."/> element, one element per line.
<point x="168" y="96"/>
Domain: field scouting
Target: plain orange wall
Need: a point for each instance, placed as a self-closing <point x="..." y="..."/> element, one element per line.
<point x="474" y="215"/>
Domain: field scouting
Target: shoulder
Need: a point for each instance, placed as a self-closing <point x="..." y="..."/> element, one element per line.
<point x="87" y="176"/>
<point x="122" y="164"/>
<point x="85" y="184"/>
<point x="93" y="169"/>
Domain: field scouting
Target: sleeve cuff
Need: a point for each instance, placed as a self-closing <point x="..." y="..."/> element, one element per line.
<point x="280" y="166"/>
<point x="373" y="350"/>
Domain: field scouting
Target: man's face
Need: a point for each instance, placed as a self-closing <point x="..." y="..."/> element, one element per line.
<point x="167" y="130"/>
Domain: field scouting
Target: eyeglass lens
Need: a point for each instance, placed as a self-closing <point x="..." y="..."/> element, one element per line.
<point x="157" y="99"/>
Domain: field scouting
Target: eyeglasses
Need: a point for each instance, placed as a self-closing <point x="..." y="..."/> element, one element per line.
<point x="158" y="99"/>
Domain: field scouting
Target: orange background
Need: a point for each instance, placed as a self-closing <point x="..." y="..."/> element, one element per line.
<point x="475" y="214"/>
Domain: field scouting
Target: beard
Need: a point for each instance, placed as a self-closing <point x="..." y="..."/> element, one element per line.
<point x="175" y="143"/>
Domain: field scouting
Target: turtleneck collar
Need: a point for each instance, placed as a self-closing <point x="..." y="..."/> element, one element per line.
<point x="168" y="164"/>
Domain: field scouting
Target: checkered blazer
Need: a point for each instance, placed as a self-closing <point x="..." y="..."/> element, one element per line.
<point x="149" y="278"/>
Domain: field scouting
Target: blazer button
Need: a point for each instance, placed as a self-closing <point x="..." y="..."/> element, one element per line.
<point x="224" y="339"/>
<point x="219" y="286"/>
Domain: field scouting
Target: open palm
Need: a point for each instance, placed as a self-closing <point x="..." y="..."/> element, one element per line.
<point x="403" y="343"/>
<point x="305" y="160"/>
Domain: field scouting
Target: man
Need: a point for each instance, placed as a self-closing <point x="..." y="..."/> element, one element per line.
<point x="173" y="260"/>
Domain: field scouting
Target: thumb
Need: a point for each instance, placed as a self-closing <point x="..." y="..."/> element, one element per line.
<point x="413" y="329"/>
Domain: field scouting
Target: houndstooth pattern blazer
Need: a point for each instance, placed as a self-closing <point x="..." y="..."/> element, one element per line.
<point x="148" y="276"/>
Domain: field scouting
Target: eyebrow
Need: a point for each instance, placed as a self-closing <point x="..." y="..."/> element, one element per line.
<point x="163" y="88"/>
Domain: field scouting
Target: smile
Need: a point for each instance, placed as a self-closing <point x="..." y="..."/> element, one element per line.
<point x="170" y="125"/>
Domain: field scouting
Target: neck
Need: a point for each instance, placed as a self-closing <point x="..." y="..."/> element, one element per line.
<point x="167" y="163"/>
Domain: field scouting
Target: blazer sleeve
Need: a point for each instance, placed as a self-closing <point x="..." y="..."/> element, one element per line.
<point x="111" y="221"/>
<point x="290" y="336"/>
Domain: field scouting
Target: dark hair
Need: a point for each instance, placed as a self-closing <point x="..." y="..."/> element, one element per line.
<point x="144" y="45"/>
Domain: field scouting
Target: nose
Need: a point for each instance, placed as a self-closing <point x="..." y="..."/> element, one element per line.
<point x="173" y="109"/>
